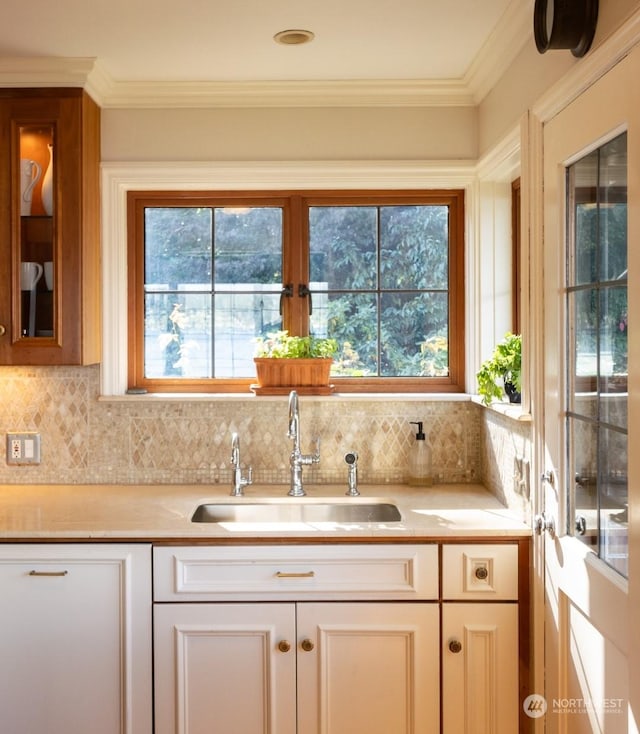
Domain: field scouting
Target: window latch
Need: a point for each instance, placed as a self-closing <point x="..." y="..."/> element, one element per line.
<point x="304" y="292"/>
<point x="286" y="292"/>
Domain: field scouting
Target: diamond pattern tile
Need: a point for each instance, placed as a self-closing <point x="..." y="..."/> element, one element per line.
<point x="88" y="440"/>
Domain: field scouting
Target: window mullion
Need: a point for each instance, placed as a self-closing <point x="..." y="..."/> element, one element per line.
<point x="296" y="265"/>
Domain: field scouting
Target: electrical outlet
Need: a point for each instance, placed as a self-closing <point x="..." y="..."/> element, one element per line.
<point x="23" y="448"/>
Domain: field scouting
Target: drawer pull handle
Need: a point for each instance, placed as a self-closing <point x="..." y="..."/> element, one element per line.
<point x="307" y="645"/>
<point x="48" y="573"/>
<point x="455" y="646"/>
<point x="284" y="646"/>
<point x="482" y="573"/>
<point x="301" y="575"/>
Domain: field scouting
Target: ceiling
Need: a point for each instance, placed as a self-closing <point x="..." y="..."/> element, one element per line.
<point x="428" y="51"/>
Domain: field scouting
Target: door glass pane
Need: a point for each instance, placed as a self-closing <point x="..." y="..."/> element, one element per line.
<point x="596" y="306"/>
<point x="37" y="263"/>
<point x="613" y="498"/>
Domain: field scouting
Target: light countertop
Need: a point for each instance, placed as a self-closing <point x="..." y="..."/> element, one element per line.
<point x="162" y="513"/>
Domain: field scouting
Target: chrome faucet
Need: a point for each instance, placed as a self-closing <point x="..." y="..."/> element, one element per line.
<point x="297" y="459"/>
<point x="239" y="482"/>
<point x="351" y="459"/>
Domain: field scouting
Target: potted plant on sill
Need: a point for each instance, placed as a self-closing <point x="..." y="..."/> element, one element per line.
<point x="284" y="362"/>
<point x="503" y="372"/>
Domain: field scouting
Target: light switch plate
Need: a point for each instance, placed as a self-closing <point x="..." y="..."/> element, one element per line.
<point x="23" y="448"/>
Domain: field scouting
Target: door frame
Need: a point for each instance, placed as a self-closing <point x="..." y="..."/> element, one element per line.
<point x="585" y="73"/>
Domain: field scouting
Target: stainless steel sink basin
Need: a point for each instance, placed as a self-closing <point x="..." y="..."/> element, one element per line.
<point x="292" y="511"/>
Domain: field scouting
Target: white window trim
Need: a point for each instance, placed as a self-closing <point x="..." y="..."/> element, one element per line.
<point x="120" y="177"/>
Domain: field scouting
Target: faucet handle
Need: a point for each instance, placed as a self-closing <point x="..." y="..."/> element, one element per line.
<point x="316" y="453"/>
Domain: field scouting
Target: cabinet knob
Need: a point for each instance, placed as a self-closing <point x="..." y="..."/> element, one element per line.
<point x="284" y="646"/>
<point x="482" y="573"/>
<point x="3" y="331"/>
<point x="307" y="645"/>
<point x="455" y="645"/>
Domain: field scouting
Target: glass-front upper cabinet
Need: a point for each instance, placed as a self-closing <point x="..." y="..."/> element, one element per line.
<point x="36" y="241"/>
<point x="49" y="227"/>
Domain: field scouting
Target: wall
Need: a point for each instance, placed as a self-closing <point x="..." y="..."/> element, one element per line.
<point x="531" y="74"/>
<point x="505" y="458"/>
<point x="289" y="134"/>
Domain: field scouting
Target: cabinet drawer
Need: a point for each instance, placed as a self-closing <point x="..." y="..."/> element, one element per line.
<point x="480" y="571"/>
<point x="295" y="572"/>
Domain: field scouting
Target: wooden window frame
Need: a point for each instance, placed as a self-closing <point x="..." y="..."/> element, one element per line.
<point x="296" y="271"/>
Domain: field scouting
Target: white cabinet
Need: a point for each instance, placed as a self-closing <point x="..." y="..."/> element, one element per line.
<point x="368" y="668"/>
<point x="225" y="668"/>
<point x="307" y="667"/>
<point x="337" y="639"/>
<point x="369" y="665"/>
<point x="480" y="662"/>
<point x="75" y="636"/>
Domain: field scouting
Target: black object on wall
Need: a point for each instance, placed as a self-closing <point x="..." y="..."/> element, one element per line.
<point x="565" y="24"/>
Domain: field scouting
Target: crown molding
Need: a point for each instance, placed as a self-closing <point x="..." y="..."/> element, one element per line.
<point x="504" y="43"/>
<point x="45" y="71"/>
<point x="339" y="93"/>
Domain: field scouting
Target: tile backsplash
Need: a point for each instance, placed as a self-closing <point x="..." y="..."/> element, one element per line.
<point x="162" y="440"/>
<point x="159" y="440"/>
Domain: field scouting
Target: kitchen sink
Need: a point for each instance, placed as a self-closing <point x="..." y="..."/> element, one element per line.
<point x="292" y="511"/>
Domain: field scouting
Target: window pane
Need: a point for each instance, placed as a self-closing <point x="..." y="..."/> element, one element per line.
<point x="248" y="245"/>
<point x="409" y="245"/>
<point x="407" y="321"/>
<point x="351" y="319"/>
<point x="177" y="340"/>
<point x="239" y="318"/>
<point x="177" y="247"/>
<point x="343" y="246"/>
<point x="187" y="331"/>
<point x="414" y="247"/>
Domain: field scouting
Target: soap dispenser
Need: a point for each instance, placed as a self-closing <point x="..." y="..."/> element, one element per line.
<point x="420" y="473"/>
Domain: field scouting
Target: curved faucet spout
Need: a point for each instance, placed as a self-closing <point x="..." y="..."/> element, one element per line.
<point x="294" y="419"/>
<point x="297" y="459"/>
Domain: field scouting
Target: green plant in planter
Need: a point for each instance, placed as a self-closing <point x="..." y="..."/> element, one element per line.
<point x="280" y="345"/>
<point x="504" y="368"/>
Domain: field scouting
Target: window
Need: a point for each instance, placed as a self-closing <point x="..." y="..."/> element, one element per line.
<point x="381" y="272"/>
<point x="596" y="302"/>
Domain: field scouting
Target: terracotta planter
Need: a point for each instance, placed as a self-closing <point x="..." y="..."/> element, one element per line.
<point x="280" y="376"/>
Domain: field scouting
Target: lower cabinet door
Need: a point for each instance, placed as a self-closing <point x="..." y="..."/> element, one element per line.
<point x="225" y="668"/>
<point x="75" y="639"/>
<point x="480" y="668"/>
<point x="368" y="668"/>
<point x="350" y="668"/>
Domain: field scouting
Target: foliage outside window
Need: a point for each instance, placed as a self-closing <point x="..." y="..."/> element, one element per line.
<point x="379" y="272"/>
